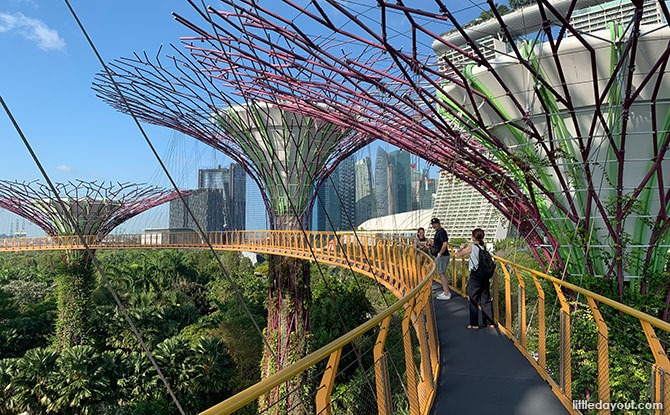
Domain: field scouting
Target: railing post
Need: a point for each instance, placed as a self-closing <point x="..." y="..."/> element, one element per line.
<point x="464" y="269"/>
<point x="410" y="368"/>
<point x="662" y="368"/>
<point x="495" y="295"/>
<point x="565" y="349"/>
<point x="508" y="299"/>
<point x="381" y="370"/>
<point x="522" y="308"/>
<point x="323" y="402"/>
<point x="454" y="271"/>
<point x="541" y="326"/>
<point x="603" y="357"/>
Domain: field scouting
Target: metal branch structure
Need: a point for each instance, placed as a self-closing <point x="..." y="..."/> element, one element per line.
<point x="97" y="208"/>
<point x="287" y="152"/>
<point x="81" y="208"/>
<point x="564" y="128"/>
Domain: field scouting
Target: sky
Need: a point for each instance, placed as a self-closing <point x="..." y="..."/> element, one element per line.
<point x="46" y="72"/>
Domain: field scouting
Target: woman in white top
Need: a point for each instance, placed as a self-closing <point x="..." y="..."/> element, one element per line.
<point x="478" y="289"/>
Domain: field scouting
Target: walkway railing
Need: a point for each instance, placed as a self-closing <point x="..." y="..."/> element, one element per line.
<point x="396" y="352"/>
<point x="536" y="311"/>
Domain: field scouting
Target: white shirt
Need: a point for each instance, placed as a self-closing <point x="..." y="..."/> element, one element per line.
<point x="473" y="262"/>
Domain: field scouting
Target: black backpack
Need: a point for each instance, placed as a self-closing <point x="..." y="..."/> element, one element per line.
<point x="486" y="266"/>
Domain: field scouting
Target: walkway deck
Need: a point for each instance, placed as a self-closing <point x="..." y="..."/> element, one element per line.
<point x="482" y="372"/>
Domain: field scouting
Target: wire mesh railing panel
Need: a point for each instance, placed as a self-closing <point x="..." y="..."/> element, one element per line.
<point x="595" y="352"/>
<point x="599" y="354"/>
<point x="350" y="375"/>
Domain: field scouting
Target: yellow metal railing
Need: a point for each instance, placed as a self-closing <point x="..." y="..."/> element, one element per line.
<point x="389" y="261"/>
<point x="535" y="310"/>
<point x="523" y="318"/>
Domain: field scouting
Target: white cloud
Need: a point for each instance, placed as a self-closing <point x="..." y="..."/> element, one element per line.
<point x="66" y="169"/>
<point x="32" y="29"/>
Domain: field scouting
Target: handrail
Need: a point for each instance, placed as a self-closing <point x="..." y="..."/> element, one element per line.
<point x="236" y="402"/>
<point x="514" y="323"/>
<point x="389" y="261"/>
<point x="407" y="274"/>
<point x="656" y="322"/>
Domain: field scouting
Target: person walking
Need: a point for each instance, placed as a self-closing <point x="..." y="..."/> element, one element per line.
<point x="478" y="288"/>
<point x="440" y="249"/>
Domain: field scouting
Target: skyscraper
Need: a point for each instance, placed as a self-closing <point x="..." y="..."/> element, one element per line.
<point x="237" y="198"/>
<point x="383" y="181"/>
<point x="207" y="206"/>
<point x="336" y="203"/>
<point x="365" y="200"/>
<point x="219" y="203"/>
<point x="401" y="185"/>
<point x="426" y="191"/>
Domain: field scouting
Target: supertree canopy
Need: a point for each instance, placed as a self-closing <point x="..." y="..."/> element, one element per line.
<point x="560" y="122"/>
<point x="287" y="152"/>
<point x="81" y="208"/>
<point x="561" y="125"/>
<point x="97" y="208"/>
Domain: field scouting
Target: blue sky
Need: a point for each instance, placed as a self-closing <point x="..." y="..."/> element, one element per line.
<point x="46" y="78"/>
<point x="46" y="73"/>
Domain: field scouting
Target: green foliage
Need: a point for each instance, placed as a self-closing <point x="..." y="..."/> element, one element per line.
<point x="352" y="397"/>
<point x="517" y="4"/>
<point x="31" y="381"/>
<point x="189" y="312"/>
<point x="28" y="329"/>
<point x="339" y="305"/>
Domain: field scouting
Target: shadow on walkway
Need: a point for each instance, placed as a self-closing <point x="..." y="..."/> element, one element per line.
<point x="482" y="372"/>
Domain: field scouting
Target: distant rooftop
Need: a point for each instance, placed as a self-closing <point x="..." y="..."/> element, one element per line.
<point x="519" y="22"/>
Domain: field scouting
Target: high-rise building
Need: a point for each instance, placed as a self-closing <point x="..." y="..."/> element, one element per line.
<point x="219" y="203"/>
<point x="336" y="203"/>
<point x="401" y="185"/>
<point x="461" y="208"/>
<point x="347" y="192"/>
<point x="207" y="206"/>
<point x="426" y="192"/>
<point x="365" y="200"/>
<point x="237" y="198"/>
<point x="383" y="182"/>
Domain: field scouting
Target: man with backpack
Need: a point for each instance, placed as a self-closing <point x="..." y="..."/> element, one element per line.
<point x="481" y="268"/>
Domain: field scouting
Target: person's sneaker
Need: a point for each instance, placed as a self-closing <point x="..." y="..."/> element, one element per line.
<point x="442" y="296"/>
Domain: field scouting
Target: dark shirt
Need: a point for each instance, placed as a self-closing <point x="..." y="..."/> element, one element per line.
<point x="440" y="238"/>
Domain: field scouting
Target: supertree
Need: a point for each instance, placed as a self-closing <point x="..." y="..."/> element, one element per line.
<point x="287" y="153"/>
<point x="562" y="127"/>
<point x="79" y="208"/>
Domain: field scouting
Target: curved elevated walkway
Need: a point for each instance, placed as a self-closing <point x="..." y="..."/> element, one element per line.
<point x="457" y="371"/>
<point x="482" y="372"/>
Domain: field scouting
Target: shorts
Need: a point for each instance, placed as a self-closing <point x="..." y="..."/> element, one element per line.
<point x="441" y="263"/>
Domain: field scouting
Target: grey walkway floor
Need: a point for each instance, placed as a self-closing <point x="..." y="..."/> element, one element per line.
<point x="482" y="372"/>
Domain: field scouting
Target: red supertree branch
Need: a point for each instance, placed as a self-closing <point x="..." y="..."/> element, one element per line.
<point x="96" y="207"/>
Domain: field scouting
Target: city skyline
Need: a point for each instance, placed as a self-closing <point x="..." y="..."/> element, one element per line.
<point x="187" y="177"/>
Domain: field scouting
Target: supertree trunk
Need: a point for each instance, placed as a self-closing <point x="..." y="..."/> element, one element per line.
<point x="85" y="208"/>
<point x="288" y="333"/>
<point x="75" y="284"/>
